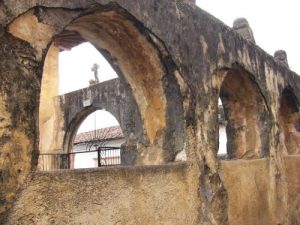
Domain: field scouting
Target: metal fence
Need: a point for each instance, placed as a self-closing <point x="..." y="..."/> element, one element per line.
<point x="106" y="156"/>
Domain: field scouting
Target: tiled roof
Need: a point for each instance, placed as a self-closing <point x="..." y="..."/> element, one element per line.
<point x="107" y="133"/>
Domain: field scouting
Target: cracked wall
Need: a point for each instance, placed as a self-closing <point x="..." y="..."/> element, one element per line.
<point x="146" y="195"/>
<point x="179" y="48"/>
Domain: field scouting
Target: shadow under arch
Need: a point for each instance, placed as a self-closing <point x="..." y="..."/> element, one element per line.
<point x="145" y="66"/>
<point x="129" y="53"/>
<point x="289" y="121"/>
<point x="246" y="113"/>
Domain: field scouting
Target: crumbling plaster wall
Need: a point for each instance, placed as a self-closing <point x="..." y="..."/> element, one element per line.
<point x="197" y="46"/>
<point x="19" y="92"/>
<point x="160" y="195"/>
<point x="293" y="180"/>
<point x="49" y="110"/>
<point x="247" y="185"/>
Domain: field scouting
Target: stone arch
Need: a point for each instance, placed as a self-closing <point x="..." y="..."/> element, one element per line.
<point x="143" y="63"/>
<point x="289" y="121"/>
<point x="75" y="123"/>
<point x="129" y="51"/>
<point x="246" y="114"/>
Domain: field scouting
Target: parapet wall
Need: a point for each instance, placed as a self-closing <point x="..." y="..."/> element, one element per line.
<point x="250" y="194"/>
<point x="160" y="195"/>
<point x="247" y="184"/>
<point x="293" y="181"/>
<point x="178" y="61"/>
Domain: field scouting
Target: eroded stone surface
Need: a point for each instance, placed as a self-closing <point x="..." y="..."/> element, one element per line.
<point x="293" y="182"/>
<point x="140" y="195"/>
<point x="19" y="89"/>
<point x="247" y="191"/>
<point x="241" y="26"/>
<point x="49" y="116"/>
<point x="281" y="57"/>
<point x="178" y="57"/>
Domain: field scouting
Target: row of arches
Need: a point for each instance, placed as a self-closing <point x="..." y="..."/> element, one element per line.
<point x="245" y="119"/>
<point x="248" y="118"/>
<point x="144" y="64"/>
<point x="136" y="57"/>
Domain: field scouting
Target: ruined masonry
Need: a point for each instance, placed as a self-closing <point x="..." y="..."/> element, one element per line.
<point x="174" y="62"/>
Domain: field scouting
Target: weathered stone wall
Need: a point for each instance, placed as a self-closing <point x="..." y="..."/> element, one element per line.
<point x="160" y="195"/>
<point x="247" y="184"/>
<point x="150" y="195"/>
<point x="249" y="191"/>
<point x="19" y="92"/>
<point x="49" y="111"/>
<point x="112" y="96"/>
<point x="175" y="57"/>
<point x="293" y="182"/>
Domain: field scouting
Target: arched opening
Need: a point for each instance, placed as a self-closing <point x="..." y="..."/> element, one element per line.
<point x="67" y="68"/>
<point x="99" y="146"/>
<point x="246" y="115"/>
<point x="222" y="151"/>
<point x="289" y="118"/>
<point x="139" y="59"/>
<point x="133" y="57"/>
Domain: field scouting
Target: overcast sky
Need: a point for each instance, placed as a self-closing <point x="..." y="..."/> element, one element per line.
<point x="275" y="24"/>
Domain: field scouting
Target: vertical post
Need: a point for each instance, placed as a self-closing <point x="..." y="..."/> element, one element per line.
<point x="99" y="156"/>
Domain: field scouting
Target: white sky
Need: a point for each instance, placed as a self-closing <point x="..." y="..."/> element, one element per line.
<point x="75" y="68"/>
<point x="97" y="120"/>
<point x="275" y="24"/>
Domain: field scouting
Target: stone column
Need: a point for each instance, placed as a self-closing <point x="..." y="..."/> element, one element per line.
<point x="50" y="139"/>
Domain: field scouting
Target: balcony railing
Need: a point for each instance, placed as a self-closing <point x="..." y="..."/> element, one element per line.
<point x="106" y="156"/>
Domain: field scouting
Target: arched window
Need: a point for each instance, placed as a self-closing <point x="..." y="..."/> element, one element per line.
<point x="246" y="115"/>
<point x="222" y="151"/>
<point x="66" y="71"/>
<point x="100" y="131"/>
<point x="135" y="54"/>
<point x="289" y="118"/>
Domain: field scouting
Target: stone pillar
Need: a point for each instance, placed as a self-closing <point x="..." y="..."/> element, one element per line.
<point x="48" y="116"/>
<point x="129" y="151"/>
<point x="241" y="26"/>
<point x="19" y="87"/>
<point x="281" y="57"/>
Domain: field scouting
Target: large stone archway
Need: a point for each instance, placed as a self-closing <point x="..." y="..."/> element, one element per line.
<point x="246" y="115"/>
<point x="289" y="122"/>
<point x="138" y="56"/>
<point x="110" y="96"/>
<point x="144" y="65"/>
<point x="176" y="47"/>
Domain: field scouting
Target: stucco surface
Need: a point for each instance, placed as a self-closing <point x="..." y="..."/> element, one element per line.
<point x="48" y="110"/>
<point x="158" y="195"/>
<point x="293" y="181"/>
<point x="190" y="54"/>
<point x="247" y="184"/>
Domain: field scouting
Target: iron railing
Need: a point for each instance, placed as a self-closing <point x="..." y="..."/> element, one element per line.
<point x="106" y="156"/>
